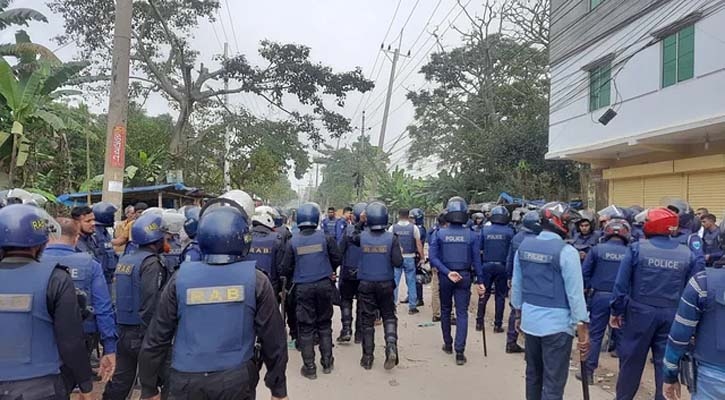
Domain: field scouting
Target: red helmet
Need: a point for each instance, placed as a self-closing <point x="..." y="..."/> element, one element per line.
<point x="660" y="221"/>
<point x="557" y="216"/>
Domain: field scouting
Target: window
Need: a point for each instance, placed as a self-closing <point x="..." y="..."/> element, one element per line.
<point x="599" y="86"/>
<point x="678" y="56"/>
<point x="594" y="3"/>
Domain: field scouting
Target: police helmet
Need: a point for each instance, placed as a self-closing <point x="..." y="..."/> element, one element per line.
<point x="659" y="221"/>
<point x="308" y="215"/>
<point x="500" y="215"/>
<point x="191" y="224"/>
<point x="418" y="216"/>
<point x="147" y="229"/>
<point x="532" y="222"/>
<point x="280" y="218"/>
<point x="557" y="216"/>
<point x="264" y="215"/>
<point x="478" y="216"/>
<point x="242" y="198"/>
<point x="25" y="226"/>
<point x="357" y="210"/>
<point x="683" y="210"/>
<point x="617" y="227"/>
<point x="104" y="213"/>
<point x="632" y="213"/>
<point x="223" y="235"/>
<point x="377" y="216"/>
<point x="172" y="222"/>
<point x="457" y="210"/>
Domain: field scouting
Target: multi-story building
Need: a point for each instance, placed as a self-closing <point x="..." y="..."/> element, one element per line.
<point x="638" y="92"/>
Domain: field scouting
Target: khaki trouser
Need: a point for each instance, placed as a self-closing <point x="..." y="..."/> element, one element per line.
<point x="435" y="300"/>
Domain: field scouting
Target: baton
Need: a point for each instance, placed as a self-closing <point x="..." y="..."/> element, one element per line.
<point x="483" y="335"/>
<point x="582" y="363"/>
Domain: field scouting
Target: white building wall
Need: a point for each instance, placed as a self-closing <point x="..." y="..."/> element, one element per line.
<point x="637" y="96"/>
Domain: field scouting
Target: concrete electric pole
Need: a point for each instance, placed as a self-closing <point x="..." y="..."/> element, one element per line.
<point x="227" y="134"/>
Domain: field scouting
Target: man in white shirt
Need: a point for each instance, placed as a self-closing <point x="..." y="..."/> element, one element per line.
<point x="409" y="238"/>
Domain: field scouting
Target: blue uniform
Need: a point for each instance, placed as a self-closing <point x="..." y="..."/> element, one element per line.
<point x="88" y="277"/>
<point x="423" y="233"/>
<point x="495" y="246"/>
<point x="691" y="240"/>
<point x="29" y="348"/>
<point x="191" y="252"/>
<point x="585" y="242"/>
<point x="456" y="248"/>
<point x="312" y="262"/>
<point x="340" y="227"/>
<point x="600" y="270"/>
<point x="173" y="257"/>
<point x="711" y="245"/>
<point x="646" y="293"/>
<point x="512" y="335"/>
<point x="106" y="254"/>
<point x="221" y="298"/>
<point x="329" y="227"/>
<point x="264" y="250"/>
<point x="375" y="265"/>
<point x="128" y="287"/>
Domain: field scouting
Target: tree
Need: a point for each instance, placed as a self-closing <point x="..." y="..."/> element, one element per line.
<point x="400" y="190"/>
<point x="164" y="62"/>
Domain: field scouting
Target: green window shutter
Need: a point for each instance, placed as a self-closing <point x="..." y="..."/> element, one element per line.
<point x="669" y="60"/>
<point x="605" y="82"/>
<point x="686" y="54"/>
<point x="594" y="3"/>
<point x="594" y="89"/>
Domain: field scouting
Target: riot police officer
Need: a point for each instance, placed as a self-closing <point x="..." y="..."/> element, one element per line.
<point x="478" y="219"/>
<point x="212" y="311"/>
<point x="455" y="253"/>
<point x="530" y="227"/>
<point x="418" y="217"/>
<point x="381" y="252"/>
<point x="87" y="275"/>
<point x="280" y="224"/>
<point x="313" y="265"/>
<point x="267" y="248"/>
<point x="585" y="235"/>
<point x="104" y="214"/>
<point x="600" y="270"/>
<point x="191" y="251"/>
<point x="495" y="243"/>
<point x="140" y="277"/>
<point x="349" y="282"/>
<point x="41" y="324"/>
<point x="329" y="223"/>
<point x="686" y="232"/>
<point x="651" y="278"/>
<point x="172" y="225"/>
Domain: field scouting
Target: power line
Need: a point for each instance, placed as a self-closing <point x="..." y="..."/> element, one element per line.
<point x="231" y="23"/>
<point x="216" y="35"/>
<point x="409" y="16"/>
<point x="221" y="21"/>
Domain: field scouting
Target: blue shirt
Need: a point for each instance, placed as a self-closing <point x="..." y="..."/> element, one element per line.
<point x="100" y="299"/>
<point x="544" y="321"/>
<point x="340" y="226"/>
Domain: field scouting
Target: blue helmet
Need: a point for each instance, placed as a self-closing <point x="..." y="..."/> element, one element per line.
<point x="357" y="210"/>
<point x="308" y="215"/>
<point x="418" y="215"/>
<point x="280" y="218"/>
<point x="147" y="229"/>
<point x="223" y="235"/>
<point x="457" y="210"/>
<point x="377" y="216"/>
<point x="24" y="226"/>
<point x="500" y="215"/>
<point x="192" y="221"/>
<point x="104" y="213"/>
<point x="532" y="222"/>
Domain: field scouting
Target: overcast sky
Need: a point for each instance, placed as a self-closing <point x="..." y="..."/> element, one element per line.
<point x="341" y="33"/>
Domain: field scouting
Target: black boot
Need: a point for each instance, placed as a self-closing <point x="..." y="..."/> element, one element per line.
<point x="358" y="336"/>
<point x="346" y="316"/>
<point x="309" y="370"/>
<point x="514" y="348"/>
<point x="391" y="356"/>
<point x="460" y="359"/>
<point x="326" y="358"/>
<point x="368" y="347"/>
<point x="390" y="329"/>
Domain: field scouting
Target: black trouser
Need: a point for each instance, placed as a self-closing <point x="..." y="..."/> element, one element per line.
<point x="130" y="338"/>
<point x="314" y="314"/>
<point x="547" y="366"/>
<point x="232" y="384"/>
<point x="50" y="387"/>
<point x="291" y="307"/>
<point x="377" y="296"/>
<point x="348" y="291"/>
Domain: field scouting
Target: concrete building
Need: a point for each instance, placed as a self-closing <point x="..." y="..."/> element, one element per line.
<point x="660" y="66"/>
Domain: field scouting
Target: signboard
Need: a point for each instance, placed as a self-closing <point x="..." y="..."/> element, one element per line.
<point x="118" y="147"/>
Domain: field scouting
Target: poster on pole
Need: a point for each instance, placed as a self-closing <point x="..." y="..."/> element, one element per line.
<point x="118" y="147"/>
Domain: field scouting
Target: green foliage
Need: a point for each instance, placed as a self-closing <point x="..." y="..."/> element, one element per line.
<point x="17" y="16"/>
<point x="399" y="190"/>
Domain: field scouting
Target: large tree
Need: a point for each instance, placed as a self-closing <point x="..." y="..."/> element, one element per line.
<point x="163" y="61"/>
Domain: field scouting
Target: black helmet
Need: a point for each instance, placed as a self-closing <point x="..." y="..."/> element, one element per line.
<point x="457" y="210"/>
<point x="500" y="215"/>
<point x="223" y="235"/>
<point x="357" y="210"/>
<point x="556" y="217"/>
<point x="532" y="222"/>
<point x="377" y="216"/>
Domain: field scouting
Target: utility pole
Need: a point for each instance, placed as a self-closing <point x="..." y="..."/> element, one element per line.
<point x="391" y="81"/>
<point x="227" y="134"/>
<point x="115" y="160"/>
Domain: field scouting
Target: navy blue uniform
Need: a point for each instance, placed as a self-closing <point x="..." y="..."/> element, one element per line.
<point x="191" y="252"/>
<point x="349" y="283"/>
<point x="495" y="246"/>
<point x="584" y="243"/>
<point x="711" y="246"/>
<point x="269" y="252"/>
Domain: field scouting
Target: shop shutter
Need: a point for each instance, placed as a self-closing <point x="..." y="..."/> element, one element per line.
<point x="657" y="188"/>
<point x="707" y="190"/>
<point x="626" y="192"/>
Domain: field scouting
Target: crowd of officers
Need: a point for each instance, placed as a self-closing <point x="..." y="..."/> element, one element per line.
<point x="196" y="315"/>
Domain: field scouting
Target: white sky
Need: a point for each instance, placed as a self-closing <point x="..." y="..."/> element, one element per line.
<point x="341" y="33"/>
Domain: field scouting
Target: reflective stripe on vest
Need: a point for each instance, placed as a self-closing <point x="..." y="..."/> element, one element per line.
<point x="710" y="337"/>
<point x="376" y="250"/>
<point x="312" y="262"/>
<point x="542" y="283"/>
<point x="660" y="275"/>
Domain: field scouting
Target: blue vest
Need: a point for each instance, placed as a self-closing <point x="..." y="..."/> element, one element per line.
<point x="80" y="266"/>
<point x="128" y="287"/>
<point x="542" y="283"/>
<point x="312" y="263"/>
<point x="191" y="252"/>
<point x="691" y="240"/>
<point x="608" y="258"/>
<point x="496" y="241"/>
<point x="455" y="244"/>
<point x="27" y="340"/>
<point x="263" y="252"/>
<point x="216" y="307"/>
<point x="518" y="239"/>
<point x="585" y="243"/>
<point x="173" y="257"/>
<point x="423" y="233"/>
<point x="710" y="241"/>
<point x="406" y="237"/>
<point x="106" y="254"/>
<point x="661" y="274"/>
<point x="376" y="250"/>
<point x="710" y="336"/>
<point x="353" y="254"/>
<point x="328" y="226"/>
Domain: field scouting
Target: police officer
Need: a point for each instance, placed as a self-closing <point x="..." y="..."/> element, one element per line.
<point x="686" y="233"/>
<point x="104" y="214"/>
<point x="435" y="302"/>
<point x="140" y="277"/>
<point x="172" y="225"/>
<point x="651" y="278"/>
<point x="268" y="248"/>
<point x="88" y="279"/>
<point x="191" y="251"/>
<point x="631" y="214"/>
<point x="710" y="238"/>
<point x="88" y="242"/>
<point x="478" y="219"/>
<point x="700" y="315"/>
<point x="329" y="223"/>
<point x="409" y="238"/>
<point x="548" y="296"/>
<point x="315" y="258"/>
<point x="41" y="324"/>
<point x="495" y="244"/>
<point x="585" y="236"/>
<point x="209" y="316"/>
<point x="455" y="252"/>
<point x="349" y="282"/>
<point x="530" y="227"/>
<point x="381" y="252"/>
<point x="418" y="217"/>
<point x="280" y="224"/>
<point x="600" y="271"/>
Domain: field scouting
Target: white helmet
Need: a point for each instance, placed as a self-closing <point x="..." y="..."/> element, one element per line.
<point x="172" y="222"/>
<point x="242" y="198"/>
<point x="265" y="215"/>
